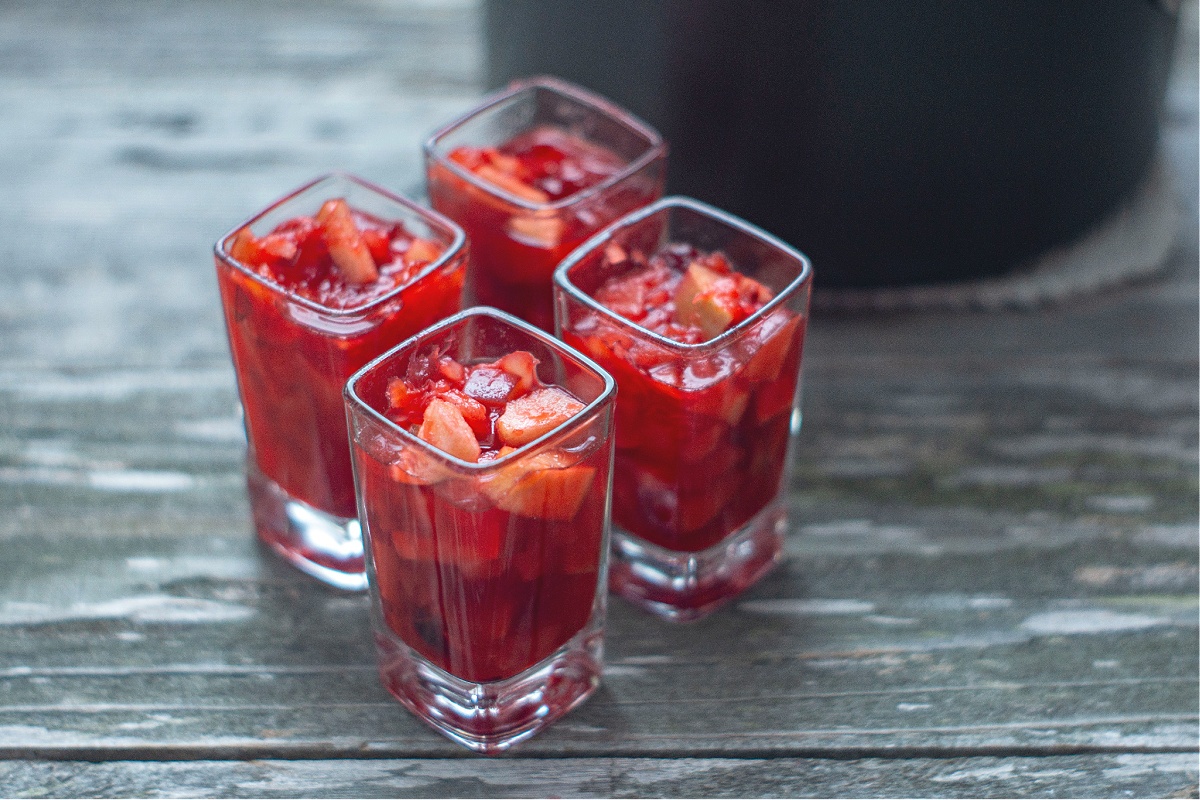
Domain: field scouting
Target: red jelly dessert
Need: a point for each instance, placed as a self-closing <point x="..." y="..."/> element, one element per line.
<point x="702" y="432"/>
<point x="530" y="198"/>
<point x="314" y="288"/>
<point x="484" y="573"/>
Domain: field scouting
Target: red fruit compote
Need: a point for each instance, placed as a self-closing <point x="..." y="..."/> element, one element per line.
<point x="314" y="287"/>
<point x="530" y="174"/>
<point x="483" y="453"/>
<point x="700" y="318"/>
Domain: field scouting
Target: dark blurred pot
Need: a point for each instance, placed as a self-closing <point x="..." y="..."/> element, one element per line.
<point x="894" y="141"/>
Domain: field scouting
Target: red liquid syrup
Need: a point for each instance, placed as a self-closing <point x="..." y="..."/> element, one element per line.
<point x="701" y="439"/>
<point x="516" y="248"/>
<point x="483" y="575"/>
<point x="291" y="367"/>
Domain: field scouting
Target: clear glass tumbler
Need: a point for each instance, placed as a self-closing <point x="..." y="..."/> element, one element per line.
<point x="703" y="430"/>
<point x="292" y="355"/>
<point x="529" y="174"/>
<point x="488" y="579"/>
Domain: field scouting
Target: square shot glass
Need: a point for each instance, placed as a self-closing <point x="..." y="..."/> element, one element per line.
<point x="488" y="580"/>
<point x="292" y="355"/>
<point x="703" y="431"/>
<point x="518" y="231"/>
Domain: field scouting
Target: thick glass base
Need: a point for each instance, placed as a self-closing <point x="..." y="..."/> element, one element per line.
<point x="327" y="547"/>
<point x="492" y="717"/>
<point x="682" y="587"/>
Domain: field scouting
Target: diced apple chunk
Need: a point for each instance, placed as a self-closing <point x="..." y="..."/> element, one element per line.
<point x="347" y="249"/>
<point x="706" y="299"/>
<point x="543" y="486"/>
<point x="535" y="414"/>
<point x="422" y="251"/>
<point x="511" y="184"/>
<point x="522" y="365"/>
<point x="451" y="370"/>
<point x="417" y="469"/>
<point x="445" y="428"/>
<point x="615" y="254"/>
<point x="473" y="411"/>
<point x="774" y="340"/>
<point x="245" y="248"/>
<point x="398" y="393"/>
<point x="541" y="229"/>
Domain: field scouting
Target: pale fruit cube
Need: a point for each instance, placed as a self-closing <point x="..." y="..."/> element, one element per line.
<point x="702" y="299"/>
<point x="540" y="229"/>
<point x="349" y="252"/>
<point x="535" y="414"/>
<point x="445" y="428"/>
<point x="544" y="486"/>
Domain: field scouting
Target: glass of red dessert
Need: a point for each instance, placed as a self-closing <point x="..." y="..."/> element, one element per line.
<point x="482" y="454"/>
<point x="530" y="174"/>
<point x="313" y="287"/>
<point x="700" y="318"/>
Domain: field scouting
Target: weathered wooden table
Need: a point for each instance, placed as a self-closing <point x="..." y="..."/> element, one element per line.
<point x="990" y="590"/>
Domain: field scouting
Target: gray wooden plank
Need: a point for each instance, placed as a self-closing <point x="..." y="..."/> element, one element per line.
<point x="1137" y="775"/>
<point x="181" y="644"/>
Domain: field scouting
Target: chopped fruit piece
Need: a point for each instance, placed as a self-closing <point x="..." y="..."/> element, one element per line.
<point x="350" y="255"/>
<point x="414" y="546"/>
<point x="245" y="248"/>
<point x="500" y="483"/>
<point x="535" y="414"/>
<point x="279" y="246"/>
<point x="422" y="251"/>
<point x="550" y="493"/>
<point x="545" y="486"/>
<point x="398" y="393"/>
<point x="733" y="403"/>
<point x="490" y="385"/>
<point x="523" y="366"/>
<point x="774" y="339"/>
<point x="511" y="184"/>
<point x="418" y="469"/>
<point x="473" y="411"/>
<point x="706" y="299"/>
<point x="615" y="254"/>
<point x="451" y="370"/>
<point x="445" y="428"/>
<point x="510" y="165"/>
<point x="539" y="230"/>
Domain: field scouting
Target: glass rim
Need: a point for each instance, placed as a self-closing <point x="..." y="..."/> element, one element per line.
<point x="657" y="147"/>
<point x="433" y="218"/>
<point x="352" y="397"/>
<point x="562" y="279"/>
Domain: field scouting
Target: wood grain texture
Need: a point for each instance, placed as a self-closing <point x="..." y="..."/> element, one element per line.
<point x="990" y="587"/>
<point x="1073" y="776"/>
